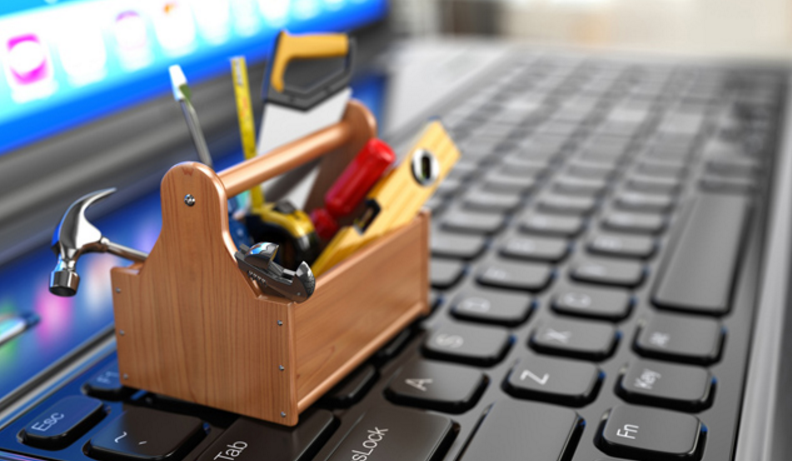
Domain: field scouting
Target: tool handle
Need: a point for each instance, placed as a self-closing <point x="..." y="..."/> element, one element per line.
<point x="249" y="173"/>
<point x="304" y="46"/>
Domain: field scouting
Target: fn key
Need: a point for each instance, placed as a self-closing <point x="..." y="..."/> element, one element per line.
<point x="141" y="434"/>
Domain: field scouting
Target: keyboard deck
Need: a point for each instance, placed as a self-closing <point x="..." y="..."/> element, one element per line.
<point x="595" y="256"/>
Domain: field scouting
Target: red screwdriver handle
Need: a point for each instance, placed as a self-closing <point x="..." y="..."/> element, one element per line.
<point x="349" y="189"/>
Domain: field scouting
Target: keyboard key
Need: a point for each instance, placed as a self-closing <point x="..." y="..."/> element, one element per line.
<point x="437" y="386"/>
<point x="699" y="272"/>
<point x="492" y="306"/>
<point x="564" y="226"/>
<point x="352" y="388"/>
<point x="106" y="384"/>
<point x="661" y="184"/>
<point x="556" y="380"/>
<point x="625" y="246"/>
<point x="590" y="170"/>
<point x="472" y="222"/>
<point x="662" y="168"/>
<point x="397" y="344"/>
<point x="680" y="338"/>
<point x="548" y="249"/>
<point x="579" y="186"/>
<point x="642" y="223"/>
<point x="251" y="440"/>
<point x="63" y="423"/>
<point x="474" y="345"/>
<point x="459" y="246"/>
<point x="585" y="340"/>
<point x="495" y="181"/>
<point x="140" y="434"/>
<point x="649" y="433"/>
<point x="639" y="201"/>
<point x="512" y="275"/>
<point x="565" y="204"/>
<point x="733" y="165"/>
<point x="445" y="273"/>
<point x="719" y="184"/>
<point x="389" y="433"/>
<point x="612" y="304"/>
<point x="516" y="431"/>
<point x="491" y="202"/>
<point x="666" y="385"/>
<point x="609" y="272"/>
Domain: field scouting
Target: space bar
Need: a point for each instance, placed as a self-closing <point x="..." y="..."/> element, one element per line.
<point x="699" y="270"/>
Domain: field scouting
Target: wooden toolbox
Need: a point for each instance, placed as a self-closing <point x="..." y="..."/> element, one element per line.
<point x="191" y="325"/>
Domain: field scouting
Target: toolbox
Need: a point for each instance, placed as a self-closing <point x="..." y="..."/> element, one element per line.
<point x="192" y="326"/>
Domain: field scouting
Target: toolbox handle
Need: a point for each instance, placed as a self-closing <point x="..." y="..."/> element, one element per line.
<point x="245" y="175"/>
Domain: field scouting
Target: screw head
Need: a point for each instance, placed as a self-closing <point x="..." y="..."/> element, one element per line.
<point x="189" y="200"/>
<point x="280" y="323"/>
<point x="118" y="290"/>
<point x="121" y="332"/>
<point x="283" y="414"/>
<point x="281" y="367"/>
<point x="126" y="376"/>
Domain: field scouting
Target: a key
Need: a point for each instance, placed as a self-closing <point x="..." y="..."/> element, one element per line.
<point x="556" y="380"/>
<point x="698" y="274"/>
<point x="612" y="304"/>
<point x="589" y="170"/>
<point x="513" y="275"/>
<point x="563" y="226"/>
<point x="139" y="434"/>
<point x="550" y="249"/>
<point x="473" y="222"/>
<point x="642" y="223"/>
<point x="352" y="388"/>
<point x="579" y="186"/>
<point x="565" y="204"/>
<point x="585" y="340"/>
<point x="733" y="165"/>
<point x="657" y="184"/>
<point x="719" y="184"/>
<point x="640" y="201"/>
<point x="390" y="433"/>
<point x="252" y="440"/>
<point x="666" y="385"/>
<point x="620" y="245"/>
<point x="448" y="187"/>
<point x="474" y="345"/>
<point x="62" y="423"/>
<point x="492" y="306"/>
<point x="680" y="338"/>
<point x="495" y="181"/>
<point x="450" y="245"/>
<point x="106" y="384"/>
<point x="397" y="344"/>
<point x="445" y="273"/>
<point x="516" y="431"/>
<point x="436" y="386"/>
<point x="650" y="433"/>
<point x="491" y="202"/>
<point x="662" y="168"/>
<point x="609" y="272"/>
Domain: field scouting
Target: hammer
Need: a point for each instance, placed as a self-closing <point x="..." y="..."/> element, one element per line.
<point x="75" y="236"/>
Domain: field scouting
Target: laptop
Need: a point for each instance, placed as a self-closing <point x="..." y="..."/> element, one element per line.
<point x="609" y="265"/>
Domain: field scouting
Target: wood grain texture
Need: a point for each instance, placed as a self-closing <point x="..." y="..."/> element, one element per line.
<point x="191" y="325"/>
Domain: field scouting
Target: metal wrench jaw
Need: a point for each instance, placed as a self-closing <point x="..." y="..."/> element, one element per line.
<point x="257" y="262"/>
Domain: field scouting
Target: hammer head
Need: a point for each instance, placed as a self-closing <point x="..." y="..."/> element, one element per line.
<point x="74" y="236"/>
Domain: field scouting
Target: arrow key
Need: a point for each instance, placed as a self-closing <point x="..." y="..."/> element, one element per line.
<point x="437" y="386"/>
<point x="563" y="381"/>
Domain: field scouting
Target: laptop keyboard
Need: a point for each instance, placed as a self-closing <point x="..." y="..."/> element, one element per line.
<point x="595" y="255"/>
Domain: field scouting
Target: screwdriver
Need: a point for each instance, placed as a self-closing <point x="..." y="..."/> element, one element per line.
<point x="349" y="189"/>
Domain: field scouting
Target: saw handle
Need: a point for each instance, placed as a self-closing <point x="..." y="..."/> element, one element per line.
<point x="303" y="47"/>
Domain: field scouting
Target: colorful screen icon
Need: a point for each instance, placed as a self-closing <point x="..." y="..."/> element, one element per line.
<point x="82" y="53"/>
<point x="28" y="67"/>
<point x="131" y="34"/>
<point x="213" y="17"/>
<point x="175" y="26"/>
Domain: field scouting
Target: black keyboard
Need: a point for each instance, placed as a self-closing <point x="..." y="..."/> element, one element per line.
<point x="595" y="259"/>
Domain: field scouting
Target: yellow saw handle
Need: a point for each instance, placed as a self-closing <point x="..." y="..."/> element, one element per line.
<point x="301" y="47"/>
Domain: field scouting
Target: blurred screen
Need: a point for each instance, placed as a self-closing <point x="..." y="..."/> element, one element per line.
<point x="70" y="61"/>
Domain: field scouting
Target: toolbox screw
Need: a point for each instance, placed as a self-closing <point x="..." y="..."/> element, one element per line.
<point x="281" y="367"/>
<point x="283" y="414"/>
<point x="118" y="290"/>
<point x="280" y="323"/>
<point x="126" y="376"/>
<point x="189" y="200"/>
<point x="121" y="332"/>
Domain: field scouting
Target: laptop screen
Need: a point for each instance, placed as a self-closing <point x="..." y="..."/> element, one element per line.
<point x="66" y="62"/>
